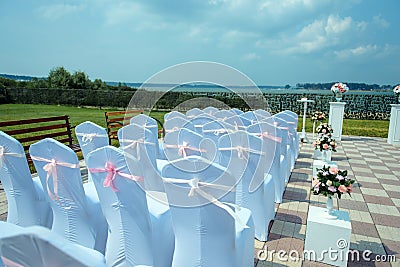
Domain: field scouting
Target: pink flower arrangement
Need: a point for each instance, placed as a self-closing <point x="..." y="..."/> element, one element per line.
<point x="396" y="89"/>
<point x="318" y="116"/>
<point x="330" y="181"/>
<point x="339" y="87"/>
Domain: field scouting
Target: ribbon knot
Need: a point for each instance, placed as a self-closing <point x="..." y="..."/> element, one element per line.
<point x="51" y="169"/>
<point x="112" y="172"/>
<point x="3" y="154"/>
<point x="88" y="137"/>
<point x="270" y="136"/>
<point x="243" y="152"/>
<point x="182" y="149"/>
<point x="194" y="188"/>
<point x="194" y="184"/>
<point x="109" y="180"/>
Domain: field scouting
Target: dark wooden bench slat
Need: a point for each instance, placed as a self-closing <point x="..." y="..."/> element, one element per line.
<point x="114" y="120"/>
<point x="36" y="129"/>
<point x="30" y="121"/>
<point x="42" y="136"/>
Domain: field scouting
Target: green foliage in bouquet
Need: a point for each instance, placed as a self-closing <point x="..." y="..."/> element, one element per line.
<point x="330" y="181"/>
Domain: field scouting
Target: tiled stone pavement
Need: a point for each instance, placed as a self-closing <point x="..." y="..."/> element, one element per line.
<point x="374" y="207"/>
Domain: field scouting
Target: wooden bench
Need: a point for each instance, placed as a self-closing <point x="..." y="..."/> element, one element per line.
<point x="116" y="119"/>
<point x="30" y="131"/>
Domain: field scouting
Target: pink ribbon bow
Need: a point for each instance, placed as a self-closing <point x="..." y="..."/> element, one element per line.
<point x="3" y="153"/>
<point x="51" y="169"/>
<point x="111" y="175"/>
<point x="182" y="149"/>
<point x="270" y="136"/>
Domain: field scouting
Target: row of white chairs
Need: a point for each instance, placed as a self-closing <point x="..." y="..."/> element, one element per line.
<point x="117" y="177"/>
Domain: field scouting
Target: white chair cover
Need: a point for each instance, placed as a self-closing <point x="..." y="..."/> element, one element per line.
<point x="142" y="144"/>
<point x="296" y="122"/>
<point x="183" y="143"/>
<point x="194" y="112"/>
<point x="174" y="114"/>
<point x="292" y="120"/>
<point x="215" y="129"/>
<point x="38" y="246"/>
<point x="90" y="137"/>
<point x="223" y="114"/>
<point x="210" y="110"/>
<point x="178" y="123"/>
<point x="200" y="120"/>
<point x="150" y="124"/>
<point x="285" y="160"/>
<point x="243" y="155"/>
<point x="76" y="212"/>
<point x="272" y="148"/>
<point x="284" y="124"/>
<point x="27" y="204"/>
<point x="263" y="113"/>
<point x="250" y="116"/>
<point x="238" y="122"/>
<point x="208" y="231"/>
<point x="237" y="111"/>
<point x="136" y="237"/>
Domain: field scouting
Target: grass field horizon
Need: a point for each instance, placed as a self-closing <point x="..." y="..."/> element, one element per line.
<point x="370" y="128"/>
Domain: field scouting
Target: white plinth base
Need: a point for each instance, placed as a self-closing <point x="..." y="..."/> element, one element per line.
<point x="394" y="125"/>
<point x="318" y="164"/>
<point x="318" y="154"/>
<point x="327" y="237"/>
<point x="336" y="112"/>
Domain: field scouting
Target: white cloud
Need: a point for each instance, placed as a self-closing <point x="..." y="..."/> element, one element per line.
<point x="381" y="21"/>
<point x="57" y="11"/>
<point x="320" y="35"/>
<point x="368" y="51"/>
<point x="251" y="57"/>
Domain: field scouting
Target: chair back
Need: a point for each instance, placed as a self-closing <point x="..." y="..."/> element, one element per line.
<point x="118" y="179"/>
<point x="194" y="112"/>
<point x="142" y="144"/>
<point x="210" y="110"/>
<point x="90" y="137"/>
<point x="39" y="246"/>
<point x="178" y="123"/>
<point x="146" y="122"/>
<point x="58" y="168"/>
<point x="174" y="114"/>
<point x="197" y="195"/>
<point x="26" y="203"/>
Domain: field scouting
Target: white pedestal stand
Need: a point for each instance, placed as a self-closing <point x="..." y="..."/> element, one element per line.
<point x="327" y="239"/>
<point x="303" y="136"/>
<point x="336" y="113"/>
<point x="394" y="125"/>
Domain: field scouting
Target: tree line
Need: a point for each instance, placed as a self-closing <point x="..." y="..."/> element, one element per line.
<point x="59" y="77"/>
<point x="352" y="86"/>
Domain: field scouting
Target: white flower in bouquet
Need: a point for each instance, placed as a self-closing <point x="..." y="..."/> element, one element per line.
<point x="339" y="88"/>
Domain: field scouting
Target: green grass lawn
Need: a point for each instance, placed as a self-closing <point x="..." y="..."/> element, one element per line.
<point x="77" y="115"/>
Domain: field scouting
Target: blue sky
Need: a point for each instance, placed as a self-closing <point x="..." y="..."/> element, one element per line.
<point x="274" y="42"/>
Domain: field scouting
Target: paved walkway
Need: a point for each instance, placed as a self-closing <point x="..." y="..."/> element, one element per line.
<point x="374" y="207"/>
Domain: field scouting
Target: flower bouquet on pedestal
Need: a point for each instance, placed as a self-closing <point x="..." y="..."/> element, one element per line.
<point x="338" y="90"/>
<point x="317" y="116"/>
<point x="331" y="182"/>
<point x="324" y="141"/>
<point x="396" y="90"/>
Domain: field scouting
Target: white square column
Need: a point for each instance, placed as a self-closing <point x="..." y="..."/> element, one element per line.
<point x="327" y="239"/>
<point x="336" y="112"/>
<point x="394" y="125"/>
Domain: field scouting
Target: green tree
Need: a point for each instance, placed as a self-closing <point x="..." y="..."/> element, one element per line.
<point x="59" y="78"/>
<point x="79" y="80"/>
<point x="98" y="84"/>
